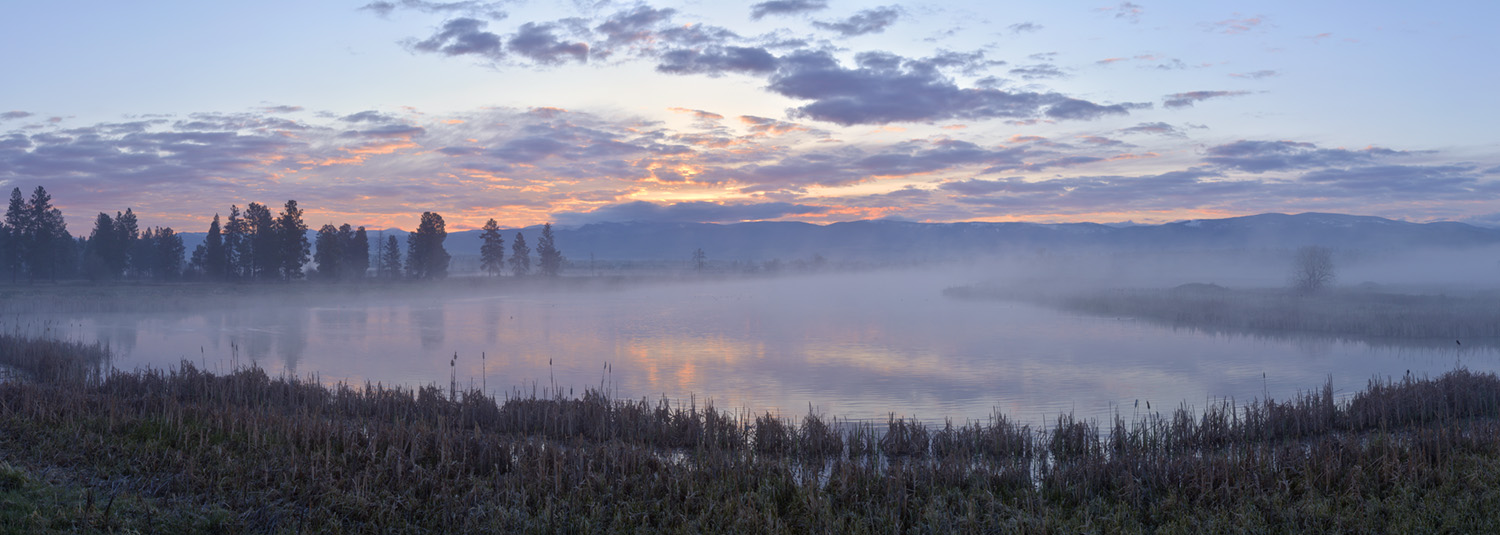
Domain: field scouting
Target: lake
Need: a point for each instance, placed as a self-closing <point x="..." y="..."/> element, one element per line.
<point x="851" y="345"/>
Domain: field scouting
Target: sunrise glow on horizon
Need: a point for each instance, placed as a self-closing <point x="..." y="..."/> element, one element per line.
<point x="818" y="111"/>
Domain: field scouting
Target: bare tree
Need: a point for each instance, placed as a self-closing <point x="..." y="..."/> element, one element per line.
<point x="1312" y="270"/>
<point x="700" y="259"/>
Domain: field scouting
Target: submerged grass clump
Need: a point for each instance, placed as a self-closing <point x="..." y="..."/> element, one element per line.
<point x="247" y="452"/>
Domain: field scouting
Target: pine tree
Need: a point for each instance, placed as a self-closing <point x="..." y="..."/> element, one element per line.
<point x="357" y="254"/>
<point x="143" y="256"/>
<point x="48" y="243"/>
<point x="237" y="255"/>
<point x="265" y="242"/>
<point x="549" y="259"/>
<point x="520" y="256"/>
<point x="15" y="227"/>
<point x="169" y="251"/>
<point x="4" y="246"/>
<point x="195" y="262"/>
<point x="294" y="246"/>
<point x="390" y="258"/>
<point x="215" y="262"/>
<point x="492" y="251"/>
<point x="425" y="256"/>
<point x="329" y="254"/>
<point x="126" y="232"/>
<point x="104" y="258"/>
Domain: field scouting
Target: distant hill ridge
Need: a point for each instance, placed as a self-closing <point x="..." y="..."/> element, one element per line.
<point x="889" y="240"/>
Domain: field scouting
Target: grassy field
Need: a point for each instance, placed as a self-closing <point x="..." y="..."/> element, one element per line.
<point x="1348" y="313"/>
<point x="84" y="450"/>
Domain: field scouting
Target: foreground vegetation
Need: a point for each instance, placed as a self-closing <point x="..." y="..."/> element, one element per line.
<point x="1350" y="313"/>
<point x="82" y="450"/>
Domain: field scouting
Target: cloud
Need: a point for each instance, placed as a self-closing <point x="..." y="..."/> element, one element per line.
<point x="706" y="117"/>
<point x="1262" y="156"/>
<point x="530" y="149"/>
<point x="1128" y="11"/>
<point x="717" y="60"/>
<point x="107" y="163"/>
<point x="686" y="212"/>
<point x="390" y="131"/>
<point x="770" y="127"/>
<point x="367" y="116"/>
<point x="913" y="158"/>
<point x="281" y="109"/>
<point x="1040" y="71"/>
<point x="1075" y="109"/>
<point x="1426" y="181"/>
<point x="881" y="88"/>
<point x="1491" y="220"/>
<point x="1256" y="75"/>
<point x="489" y="10"/>
<point x="1158" y="128"/>
<point x="866" y="21"/>
<point x="537" y="41"/>
<point x="15" y="114"/>
<point x="1025" y="27"/>
<point x="902" y="198"/>
<point x="1101" y="141"/>
<point x="1172" y="190"/>
<point x="785" y="7"/>
<point x="886" y="88"/>
<point x="539" y="162"/>
<point x="1234" y="26"/>
<point x="463" y="36"/>
<point x="1186" y="100"/>
<point x="637" y="25"/>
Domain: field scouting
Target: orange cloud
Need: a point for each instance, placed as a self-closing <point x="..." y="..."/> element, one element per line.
<point x="383" y="148"/>
<point x="697" y="113"/>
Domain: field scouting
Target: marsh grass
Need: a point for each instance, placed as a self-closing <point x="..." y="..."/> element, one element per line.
<point x="1349" y="313"/>
<point x="249" y="452"/>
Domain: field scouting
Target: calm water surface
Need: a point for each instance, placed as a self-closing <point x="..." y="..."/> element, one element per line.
<point x="857" y="346"/>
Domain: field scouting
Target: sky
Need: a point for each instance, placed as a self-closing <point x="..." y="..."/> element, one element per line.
<point x="575" y="112"/>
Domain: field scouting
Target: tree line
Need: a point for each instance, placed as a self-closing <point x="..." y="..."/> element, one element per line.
<point x="492" y="252"/>
<point x="253" y="245"/>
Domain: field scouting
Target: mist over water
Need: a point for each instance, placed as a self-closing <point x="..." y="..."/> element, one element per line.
<point x="852" y="345"/>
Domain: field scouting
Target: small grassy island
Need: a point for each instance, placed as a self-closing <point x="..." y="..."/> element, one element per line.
<point x="83" y="449"/>
<point x="1355" y="313"/>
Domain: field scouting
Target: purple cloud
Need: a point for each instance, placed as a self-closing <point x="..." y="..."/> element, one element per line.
<point x="885" y="88"/>
<point x="686" y="212"/>
<point x="717" y="60"/>
<point x="866" y="21"/>
<point x="463" y="36"/>
<point x="538" y="42"/>
<point x="1186" y="100"/>
<point x="1262" y="156"/>
<point x="785" y="7"/>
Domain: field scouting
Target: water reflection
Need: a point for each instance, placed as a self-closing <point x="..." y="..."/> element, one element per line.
<point x="854" y="346"/>
<point x="428" y="323"/>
